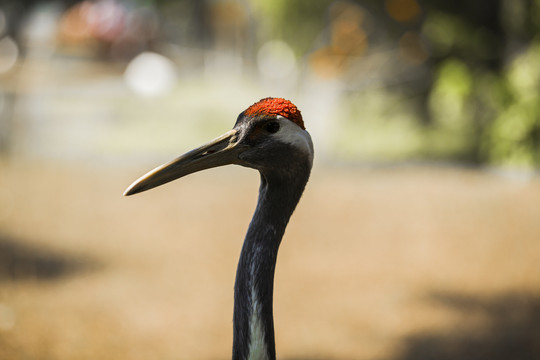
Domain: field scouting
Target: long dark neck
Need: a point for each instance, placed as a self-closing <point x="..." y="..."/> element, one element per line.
<point x="254" y="287"/>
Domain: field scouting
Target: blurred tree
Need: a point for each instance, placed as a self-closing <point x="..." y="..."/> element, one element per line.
<point x="481" y="51"/>
<point x="478" y="99"/>
<point x="298" y="21"/>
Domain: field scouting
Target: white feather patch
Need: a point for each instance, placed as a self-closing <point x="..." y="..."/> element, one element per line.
<point x="257" y="346"/>
<point x="293" y="134"/>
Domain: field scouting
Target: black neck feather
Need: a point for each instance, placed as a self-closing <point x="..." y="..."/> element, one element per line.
<point x="278" y="197"/>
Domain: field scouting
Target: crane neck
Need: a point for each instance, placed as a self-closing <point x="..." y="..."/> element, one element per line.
<point x="253" y="296"/>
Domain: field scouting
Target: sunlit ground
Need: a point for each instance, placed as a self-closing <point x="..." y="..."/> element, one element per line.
<point x="387" y="263"/>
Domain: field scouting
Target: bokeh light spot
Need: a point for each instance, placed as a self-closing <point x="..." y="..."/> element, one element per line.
<point x="9" y="53"/>
<point x="276" y="60"/>
<point x="150" y="74"/>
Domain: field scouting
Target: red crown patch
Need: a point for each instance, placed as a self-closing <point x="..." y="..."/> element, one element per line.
<point x="276" y="106"/>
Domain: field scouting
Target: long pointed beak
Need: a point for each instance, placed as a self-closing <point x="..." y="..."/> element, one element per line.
<point x="223" y="150"/>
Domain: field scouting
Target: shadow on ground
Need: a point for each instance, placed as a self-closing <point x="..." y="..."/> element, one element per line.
<point x="501" y="327"/>
<point x="21" y="261"/>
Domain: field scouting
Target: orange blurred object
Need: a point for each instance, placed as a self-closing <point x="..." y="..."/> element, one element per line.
<point x="403" y="10"/>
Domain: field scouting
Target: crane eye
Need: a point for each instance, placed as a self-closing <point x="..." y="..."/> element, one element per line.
<point x="272" y="127"/>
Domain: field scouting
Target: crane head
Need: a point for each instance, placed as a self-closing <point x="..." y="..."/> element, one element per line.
<point x="268" y="136"/>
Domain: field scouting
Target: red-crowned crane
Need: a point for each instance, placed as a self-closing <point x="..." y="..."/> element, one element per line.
<point x="268" y="136"/>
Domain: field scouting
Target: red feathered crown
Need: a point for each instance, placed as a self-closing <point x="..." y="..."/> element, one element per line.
<point x="276" y="106"/>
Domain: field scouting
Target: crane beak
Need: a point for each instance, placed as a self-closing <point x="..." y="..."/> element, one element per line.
<point x="223" y="150"/>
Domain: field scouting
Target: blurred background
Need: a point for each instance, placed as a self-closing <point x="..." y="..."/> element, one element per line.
<point x="418" y="235"/>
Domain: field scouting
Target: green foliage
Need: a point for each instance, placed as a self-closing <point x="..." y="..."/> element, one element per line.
<point x="450" y="34"/>
<point x="300" y="22"/>
<point x="378" y="118"/>
<point x="514" y="135"/>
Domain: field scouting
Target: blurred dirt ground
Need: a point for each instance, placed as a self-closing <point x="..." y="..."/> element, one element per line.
<point x="392" y="263"/>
